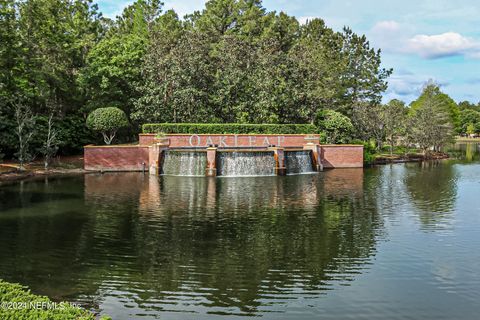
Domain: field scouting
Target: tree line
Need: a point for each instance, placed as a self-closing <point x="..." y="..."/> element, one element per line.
<point x="234" y="61"/>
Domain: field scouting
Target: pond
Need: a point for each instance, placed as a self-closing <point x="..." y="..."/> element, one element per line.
<point x="396" y="241"/>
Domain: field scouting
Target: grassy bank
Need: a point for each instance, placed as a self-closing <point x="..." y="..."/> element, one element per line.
<point x="18" y="303"/>
<point x="465" y="139"/>
<point x="9" y="170"/>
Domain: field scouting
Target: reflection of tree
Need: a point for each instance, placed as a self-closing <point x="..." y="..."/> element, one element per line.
<point x="263" y="237"/>
<point x="466" y="152"/>
<point x="226" y="244"/>
<point x="433" y="190"/>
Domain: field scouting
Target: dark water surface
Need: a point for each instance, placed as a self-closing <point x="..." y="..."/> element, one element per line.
<point x="390" y="242"/>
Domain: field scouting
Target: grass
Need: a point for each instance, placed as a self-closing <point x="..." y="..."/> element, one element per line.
<point x="18" y="303"/>
<point x="466" y="139"/>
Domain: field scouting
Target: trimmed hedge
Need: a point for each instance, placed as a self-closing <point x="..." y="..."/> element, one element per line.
<point x="18" y="303"/>
<point x="229" y="128"/>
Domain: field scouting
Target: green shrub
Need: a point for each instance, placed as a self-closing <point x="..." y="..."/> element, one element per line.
<point x="337" y="127"/>
<point x="228" y="128"/>
<point x="18" y="303"/>
<point x="369" y="151"/>
<point x="107" y="121"/>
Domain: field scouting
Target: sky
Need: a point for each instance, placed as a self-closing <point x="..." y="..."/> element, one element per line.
<point x="422" y="40"/>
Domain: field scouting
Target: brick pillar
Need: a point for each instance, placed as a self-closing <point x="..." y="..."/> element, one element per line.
<point x="316" y="155"/>
<point x="211" y="170"/>
<point x="279" y="156"/>
<point x="155" y="153"/>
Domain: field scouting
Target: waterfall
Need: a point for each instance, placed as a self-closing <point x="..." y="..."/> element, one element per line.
<point x="245" y="163"/>
<point x="298" y="162"/>
<point x="184" y="163"/>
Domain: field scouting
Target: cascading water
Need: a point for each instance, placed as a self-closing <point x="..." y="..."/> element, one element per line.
<point x="245" y="163"/>
<point x="298" y="162"/>
<point x="184" y="163"/>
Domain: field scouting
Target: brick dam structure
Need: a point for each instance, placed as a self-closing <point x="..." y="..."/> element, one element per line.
<point x="228" y="155"/>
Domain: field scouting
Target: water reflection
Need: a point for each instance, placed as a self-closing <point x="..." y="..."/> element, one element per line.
<point x="433" y="190"/>
<point x="242" y="246"/>
<point x="466" y="152"/>
<point x="138" y="245"/>
<point x="297" y="246"/>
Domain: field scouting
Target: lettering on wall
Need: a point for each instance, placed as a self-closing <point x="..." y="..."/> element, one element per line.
<point x="235" y="140"/>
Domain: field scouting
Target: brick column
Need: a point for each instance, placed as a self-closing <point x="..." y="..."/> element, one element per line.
<point x="316" y="155"/>
<point x="211" y="170"/>
<point x="279" y="156"/>
<point x="155" y="153"/>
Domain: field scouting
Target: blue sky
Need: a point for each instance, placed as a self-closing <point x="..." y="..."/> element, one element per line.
<point x="421" y="40"/>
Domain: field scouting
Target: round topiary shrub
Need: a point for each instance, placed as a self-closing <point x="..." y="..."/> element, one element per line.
<point x="107" y="121"/>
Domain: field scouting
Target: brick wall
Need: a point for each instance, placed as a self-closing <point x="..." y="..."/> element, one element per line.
<point x="342" y="156"/>
<point x="116" y="158"/>
<point x="136" y="157"/>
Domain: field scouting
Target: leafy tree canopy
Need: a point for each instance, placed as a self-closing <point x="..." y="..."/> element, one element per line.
<point x="432" y="93"/>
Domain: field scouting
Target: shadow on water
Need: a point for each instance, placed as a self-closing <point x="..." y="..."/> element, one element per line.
<point x="25" y="194"/>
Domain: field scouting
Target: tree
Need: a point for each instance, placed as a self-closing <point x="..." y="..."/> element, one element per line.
<point x="363" y="79"/>
<point x="107" y="121"/>
<point x="470" y="129"/>
<point x="442" y="101"/>
<point x="394" y="115"/>
<point x="113" y="65"/>
<point x="25" y="129"/>
<point x="369" y="122"/>
<point x="317" y="69"/>
<point x="43" y="48"/>
<point x="10" y="64"/>
<point x="431" y="124"/>
<point x="236" y="62"/>
<point x="464" y="105"/>
<point x="50" y="144"/>
<point x="469" y="117"/>
<point x="338" y="128"/>
<point x="61" y="33"/>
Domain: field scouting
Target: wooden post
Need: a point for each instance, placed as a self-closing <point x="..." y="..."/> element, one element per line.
<point x="211" y="170"/>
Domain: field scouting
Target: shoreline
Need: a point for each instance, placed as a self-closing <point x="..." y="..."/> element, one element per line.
<point x="14" y="175"/>
<point x="409" y="158"/>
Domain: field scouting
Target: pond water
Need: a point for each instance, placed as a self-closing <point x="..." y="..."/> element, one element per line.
<point x="397" y="241"/>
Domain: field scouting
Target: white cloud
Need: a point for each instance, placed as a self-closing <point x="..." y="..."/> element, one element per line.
<point x="441" y="45"/>
<point x="383" y="27"/>
<point x="392" y="36"/>
<point x="406" y="86"/>
<point x="389" y="35"/>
